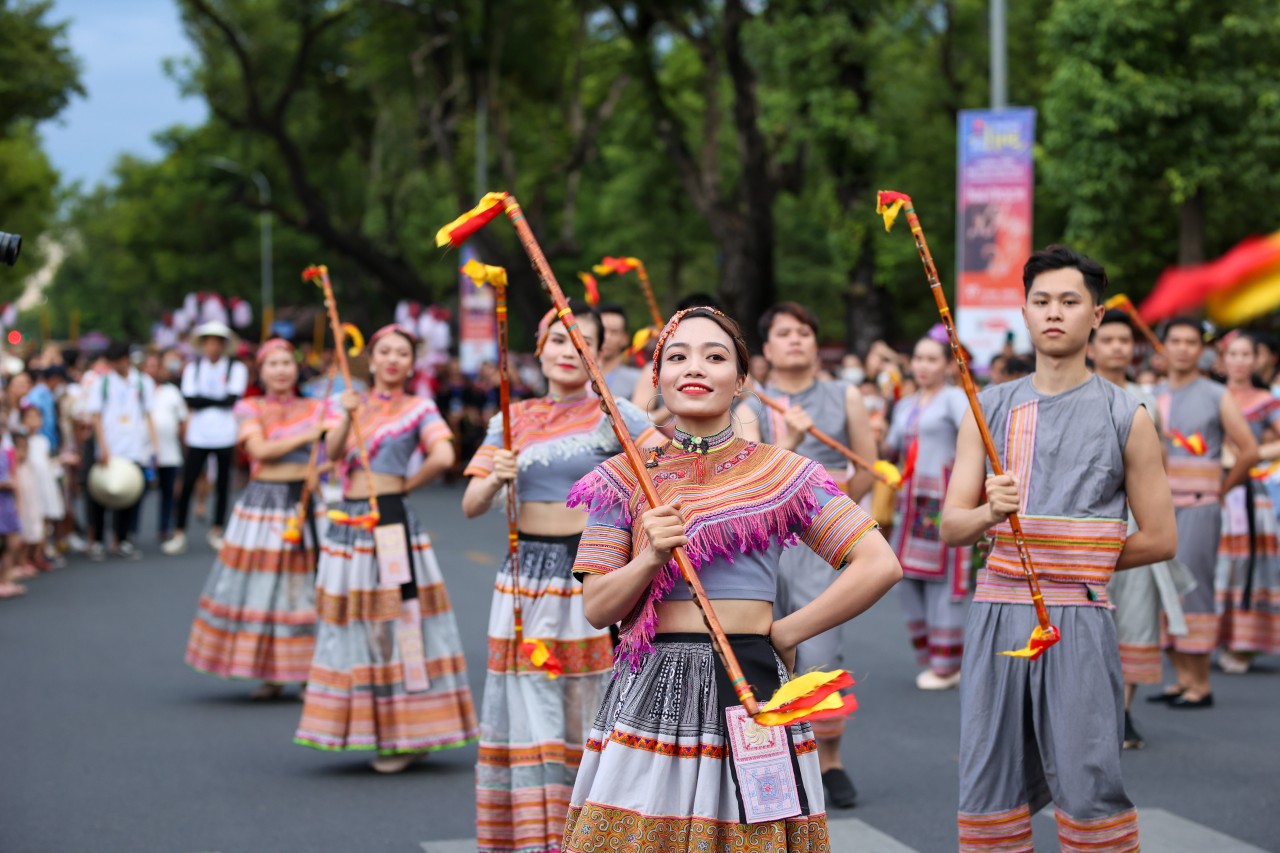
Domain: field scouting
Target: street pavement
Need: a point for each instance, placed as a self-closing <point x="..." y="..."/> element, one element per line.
<point x="109" y="742"/>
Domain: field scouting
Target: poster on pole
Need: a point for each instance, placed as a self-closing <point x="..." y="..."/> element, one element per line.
<point x="994" y="187"/>
<point x="477" y="326"/>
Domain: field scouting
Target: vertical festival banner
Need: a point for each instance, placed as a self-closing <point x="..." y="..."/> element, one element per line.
<point x="994" y="186"/>
<point x="477" y="327"/>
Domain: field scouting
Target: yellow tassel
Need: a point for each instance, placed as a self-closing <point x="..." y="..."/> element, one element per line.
<point x="444" y="236"/>
<point x="782" y="718"/>
<point x="338" y="516"/>
<point x="1036" y="645"/>
<point x="890" y="213"/>
<point x="801" y="685"/>
<point x="889" y="471"/>
<point x="483" y="274"/>
<point x="349" y="330"/>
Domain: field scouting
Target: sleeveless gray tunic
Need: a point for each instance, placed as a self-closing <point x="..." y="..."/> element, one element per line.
<point x="1067" y="453"/>
<point x="824" y="401"/>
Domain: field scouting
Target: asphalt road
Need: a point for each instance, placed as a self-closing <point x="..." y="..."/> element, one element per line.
<point x="108" y="742"/>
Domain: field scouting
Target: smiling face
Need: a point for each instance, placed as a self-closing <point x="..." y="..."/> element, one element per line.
<point x="279" y="372"/>
<point x="698" y="375"/>
<point x="1060" y="312"/>
<point x="1239" y="360"/>
<point x="792" y="345"/>
<point x="561" y="365"/>
<point x="391" y="359"/>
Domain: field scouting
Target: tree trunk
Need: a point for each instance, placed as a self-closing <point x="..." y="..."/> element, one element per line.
<point x="865" y="305"/>
<point x="746" y="270"/>
<point x="1191" y="231"/>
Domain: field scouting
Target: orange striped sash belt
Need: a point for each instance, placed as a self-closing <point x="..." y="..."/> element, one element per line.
<point x="1065" y="550"/>
<point x="1194" y="481"/>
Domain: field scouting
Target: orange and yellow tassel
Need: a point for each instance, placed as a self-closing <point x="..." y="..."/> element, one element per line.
<point x="889" y="204"/>
<point x="292" y="531"/>
<point x="1041" y="639"/>
<point x="541" y="657"/>
<point x="368" y="521"/>
<point x="456" y="232"/>
<point x="812" y="696"/>
<point x="1193" y="444"/>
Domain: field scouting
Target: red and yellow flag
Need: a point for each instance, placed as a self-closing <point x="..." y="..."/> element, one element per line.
<point x="456" y="232"/>
<point x="1237" y="287"/>
<point x="608" y="266"/>
<point x="592" y="288"/>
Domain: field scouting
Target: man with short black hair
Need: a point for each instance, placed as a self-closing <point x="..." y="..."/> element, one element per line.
<point x="790" y="334"/>
<point x="1142" y="594"/>
<point x="1198" y="413"/>
<point x="618" y="375"/>
<point x="1075" y="448"/>
<point x="119" y="405"/>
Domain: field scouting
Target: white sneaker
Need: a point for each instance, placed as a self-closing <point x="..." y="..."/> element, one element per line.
<point x="128" y="551"/>
<point x="930" y="680"/>
<point x="1233" y="663"/>
<point x="76" y="543"/>
<point x="176" y="545"/>
<point x="215" y="541"/>
<point x="395" y="763"/>
<point x="97" y="552"/>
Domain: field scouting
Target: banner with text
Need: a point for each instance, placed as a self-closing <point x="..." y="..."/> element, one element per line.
<point x="477" y="326"/>
<point x="994" y="187"/>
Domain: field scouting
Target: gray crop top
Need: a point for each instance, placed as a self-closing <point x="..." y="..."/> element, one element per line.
<point x="558" y="443"/>
<point x="393" y="432"/>
<point x="277" y="417"/>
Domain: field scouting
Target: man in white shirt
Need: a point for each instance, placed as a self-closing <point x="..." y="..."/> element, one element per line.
<point x="118" y="403"/>
<point x="211" y="385"/>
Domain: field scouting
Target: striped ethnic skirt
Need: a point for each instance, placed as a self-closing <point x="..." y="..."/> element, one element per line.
<point x="1247" y="579"/>
<point x="356" y="697"/>
<point x="532" y="726"/>
<point x="657" y="775"/>
<point x="257" y="616"/>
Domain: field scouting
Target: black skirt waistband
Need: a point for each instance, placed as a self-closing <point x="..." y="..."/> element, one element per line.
<point x="570" y="540"/>
<point x="695" y="637"/>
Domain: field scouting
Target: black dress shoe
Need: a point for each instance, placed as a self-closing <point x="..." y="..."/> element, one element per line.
<point x="1132" y="740"/>
<point x="840" y="790"/>
<point x="1205" y="701"/>
<point x="1166" y="697"/>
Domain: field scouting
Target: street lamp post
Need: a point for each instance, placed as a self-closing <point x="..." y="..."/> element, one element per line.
<point x="264" y="228"/>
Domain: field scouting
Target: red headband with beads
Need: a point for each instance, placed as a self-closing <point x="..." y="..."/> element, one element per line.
<point x="671" y="327"/>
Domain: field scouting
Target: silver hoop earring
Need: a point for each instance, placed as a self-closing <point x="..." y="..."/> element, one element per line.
<point x="649" y="410"/>
<point x="747" y="392"/>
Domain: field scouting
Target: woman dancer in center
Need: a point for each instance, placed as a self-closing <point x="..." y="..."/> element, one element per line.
<point x="257" y="615"/>
<point x="1248" y="571"/>
<point x="659" y="772"/>
<point x="358" y="696"/>
<point x="532" y="727"/>
<point x="922" y="438"/>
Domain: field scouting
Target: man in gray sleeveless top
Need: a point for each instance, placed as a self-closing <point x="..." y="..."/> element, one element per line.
<point x="790" y="333"/>
<point x="1197" y="413"/>
<point x="1141" y="595"/>
<point x="620" y="376"/>
<point x="1048" y="728"/>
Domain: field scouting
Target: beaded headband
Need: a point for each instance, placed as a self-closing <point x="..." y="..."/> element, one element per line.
<point x="544" y="330"/>
<point x="393" y="329"/>
<point x="273" y="345"/>
<point x="671" y="327"/>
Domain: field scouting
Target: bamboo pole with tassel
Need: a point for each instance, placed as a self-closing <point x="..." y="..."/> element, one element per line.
<point x="319" y="275"/>
<point x="888" y="204"/>
<point x="809" y="695"/>
<point x="539" y="655"/>
<point x="883" y="470"/>
<point x="609" y="266"/>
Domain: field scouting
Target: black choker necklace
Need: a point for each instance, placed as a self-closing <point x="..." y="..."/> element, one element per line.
<point x="698" y="444"/>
